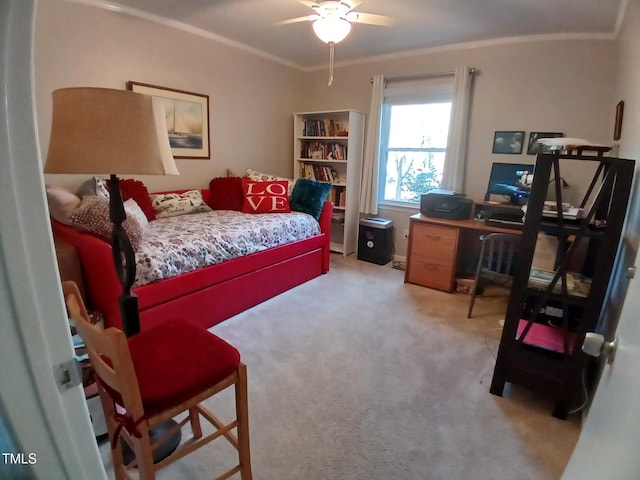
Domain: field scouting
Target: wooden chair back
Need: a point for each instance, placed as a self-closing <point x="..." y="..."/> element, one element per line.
<point x="108" y="352"/>
<point x="496" y="262"/>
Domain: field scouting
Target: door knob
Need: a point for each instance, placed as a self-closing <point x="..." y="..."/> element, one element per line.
<point x="595" y="345"/>
<point x="631" y="272"/>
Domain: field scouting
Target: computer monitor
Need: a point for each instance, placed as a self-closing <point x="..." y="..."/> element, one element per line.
<point x="511" y="180"/>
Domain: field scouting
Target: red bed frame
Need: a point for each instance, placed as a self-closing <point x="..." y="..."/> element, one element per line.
<point x="208" y="295"/>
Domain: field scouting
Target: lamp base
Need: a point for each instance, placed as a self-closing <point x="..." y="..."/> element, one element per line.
<point x="164" y="450"/>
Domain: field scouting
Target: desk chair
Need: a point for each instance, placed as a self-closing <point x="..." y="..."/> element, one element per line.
<point x="156" y="375"/>
<point x="496" y="262"/>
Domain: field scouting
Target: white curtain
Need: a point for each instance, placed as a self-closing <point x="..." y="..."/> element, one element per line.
<point x="455" y="158"/>
<point x="369" y="190"/>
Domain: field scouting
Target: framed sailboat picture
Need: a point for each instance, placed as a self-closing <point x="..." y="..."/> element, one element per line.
<point x="187" y="116"/>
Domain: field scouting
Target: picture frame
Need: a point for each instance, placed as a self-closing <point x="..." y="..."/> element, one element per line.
<point x="509" y="142"/>
<point x="617" y="129"/>
<point x="187" y="115"/>
<point x="533" y="147"/>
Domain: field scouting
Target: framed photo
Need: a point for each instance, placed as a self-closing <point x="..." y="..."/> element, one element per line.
<point x="534" y="147"/>
<point x="187" y="116"/>
<point x="617" y="128"/>
<point x="508" y="142"/>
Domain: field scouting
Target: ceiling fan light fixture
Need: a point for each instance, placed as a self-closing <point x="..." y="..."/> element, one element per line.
<point x="331" y="30"/>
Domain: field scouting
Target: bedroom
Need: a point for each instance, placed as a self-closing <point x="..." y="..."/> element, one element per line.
<point x="64" y="64"/>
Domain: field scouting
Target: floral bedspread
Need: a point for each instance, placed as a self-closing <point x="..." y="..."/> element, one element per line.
<point x="175" y="245"/>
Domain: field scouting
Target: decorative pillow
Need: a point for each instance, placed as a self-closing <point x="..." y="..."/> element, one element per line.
<point x="131" y="188"/>
<point x="309" y="196"/>
<point x="225" y="193"/>
<point x="94" y="186"/>
<point x="265" y="177"/>
<point x="174" y="204"/>
<point x="61" y="202"/>
<point x="265" y="197"/>
<point x="93" y="216"/>
<point x="132" y="209"/>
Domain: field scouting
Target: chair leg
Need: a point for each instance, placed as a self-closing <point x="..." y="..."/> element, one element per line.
<point x="144" y="454"/>
<point x="194" y="419"/>
<point x="109" y="411"/>
<point x="242" y="414"/>
<point x="474" y="289"/>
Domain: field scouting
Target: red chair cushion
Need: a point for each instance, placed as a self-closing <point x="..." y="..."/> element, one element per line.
<point x="176" y="360"/>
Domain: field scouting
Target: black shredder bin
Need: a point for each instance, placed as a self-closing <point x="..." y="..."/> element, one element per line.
<point x="375" y="240"/>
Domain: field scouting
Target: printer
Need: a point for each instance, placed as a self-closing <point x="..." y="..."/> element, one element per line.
<point x="445" y="204"/>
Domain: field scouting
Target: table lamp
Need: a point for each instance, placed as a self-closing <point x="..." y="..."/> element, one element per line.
<point x="107" y="131"/>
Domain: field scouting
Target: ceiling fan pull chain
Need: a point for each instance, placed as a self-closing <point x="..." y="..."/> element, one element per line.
<point x="331" y="45"/>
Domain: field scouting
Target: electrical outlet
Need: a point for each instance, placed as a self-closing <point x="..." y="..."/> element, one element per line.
<point x="405" y="233"/>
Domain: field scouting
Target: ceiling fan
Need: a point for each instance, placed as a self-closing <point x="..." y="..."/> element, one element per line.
<point x="332" y="22"/>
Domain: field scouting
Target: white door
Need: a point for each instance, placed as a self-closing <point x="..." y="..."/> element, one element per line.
<point x="608" y="443"/>
<point x="48" y="426"/>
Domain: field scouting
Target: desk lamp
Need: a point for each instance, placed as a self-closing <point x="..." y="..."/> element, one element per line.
<point x="101" y="131"/>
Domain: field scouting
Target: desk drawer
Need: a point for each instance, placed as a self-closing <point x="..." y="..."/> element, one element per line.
<point x="431" y="260"/>
<point x="435" y="242"/>
<point x="423" y="271"/>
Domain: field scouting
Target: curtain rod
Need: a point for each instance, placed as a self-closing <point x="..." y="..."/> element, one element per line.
<point x="472" y="71"/>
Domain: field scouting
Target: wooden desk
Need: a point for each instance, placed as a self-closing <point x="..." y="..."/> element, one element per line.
<point x="438" y="247"/>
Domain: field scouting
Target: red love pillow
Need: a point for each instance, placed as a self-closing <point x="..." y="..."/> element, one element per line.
<point x="265" y="197"/>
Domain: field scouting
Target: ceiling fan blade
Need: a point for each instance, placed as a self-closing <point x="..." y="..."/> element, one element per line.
<point x="307" y="18"/>
<point x="370" y="18"/>
<point x="354" y="5"/>
<point x="309" y="4"/>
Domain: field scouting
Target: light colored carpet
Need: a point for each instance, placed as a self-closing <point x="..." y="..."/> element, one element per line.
<point x="359" y="376"/>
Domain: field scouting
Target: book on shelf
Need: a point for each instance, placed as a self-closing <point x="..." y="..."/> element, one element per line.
<point x="332" y="196"/>
<point x="323" y="173"/>
<point x="315" y="150"/>
<point x="337" y="197"/>
<point x="326" y="127"/>
<point x="337" y="217"/>
<point x="577" y="285"/>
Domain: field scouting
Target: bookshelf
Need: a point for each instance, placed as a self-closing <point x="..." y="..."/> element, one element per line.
<point x="559" y="295"/>
<point x="328" y="146"/>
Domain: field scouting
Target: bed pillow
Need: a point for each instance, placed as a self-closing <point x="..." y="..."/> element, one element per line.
<point x="94" y="186"/>
<point x="308" y="196"/>
<point x="93" y="216"/>
<point x="61" y="203"/>
<point x="131" y="188"/>
<point x="265" y="197"/>
<point x="132" y="209"/>
<point x="265" y="177"/>
<point x="225" y="193"/>
<point x="174" y="204"/>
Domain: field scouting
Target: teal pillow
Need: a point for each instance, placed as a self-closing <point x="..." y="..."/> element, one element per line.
<point x="308" y="196"/>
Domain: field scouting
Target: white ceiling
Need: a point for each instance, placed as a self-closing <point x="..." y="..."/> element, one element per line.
<point x="419" y="24"/>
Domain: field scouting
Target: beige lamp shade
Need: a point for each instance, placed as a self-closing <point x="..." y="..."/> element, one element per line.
<point x="102" y="131"/>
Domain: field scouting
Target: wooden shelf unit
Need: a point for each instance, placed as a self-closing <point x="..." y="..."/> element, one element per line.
<point x="546" y="322"/>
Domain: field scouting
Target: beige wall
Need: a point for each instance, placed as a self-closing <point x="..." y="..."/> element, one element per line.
<point x="628" y="82"/>
<point x="565" y="86"/>
<point x="251" y="98"/>
<point x="627" y="89"/>
<point x="532" y="86"/>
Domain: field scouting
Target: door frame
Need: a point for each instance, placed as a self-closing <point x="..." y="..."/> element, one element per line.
<point x="50" y="422"/>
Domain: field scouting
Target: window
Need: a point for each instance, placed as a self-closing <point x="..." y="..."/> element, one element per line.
<point x="413" y="138"/>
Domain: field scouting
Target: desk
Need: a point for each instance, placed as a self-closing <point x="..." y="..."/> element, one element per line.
<point x="437" y="248"/>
